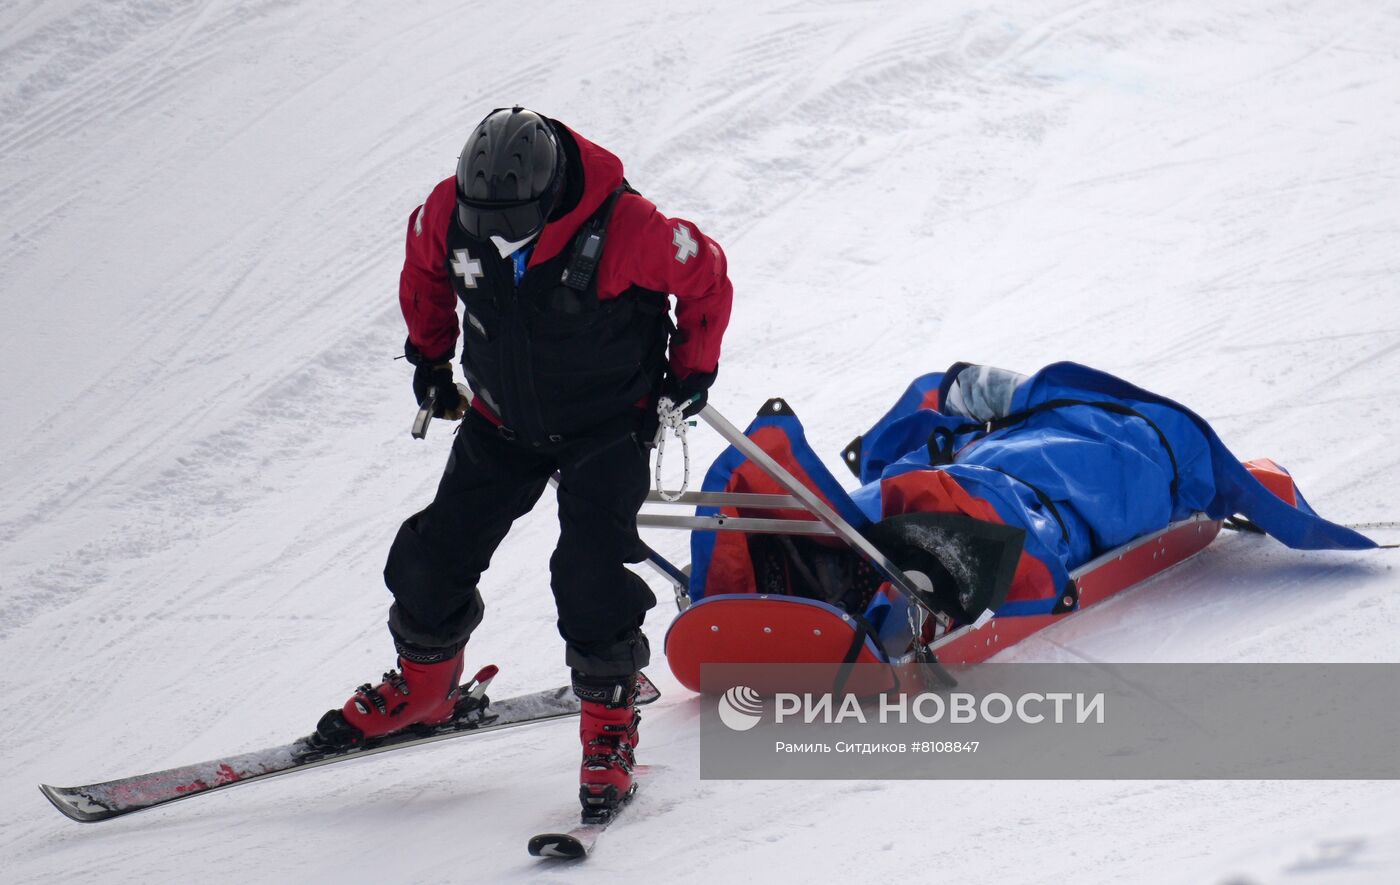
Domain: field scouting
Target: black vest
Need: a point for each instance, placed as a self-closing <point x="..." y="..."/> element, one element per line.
<point x="549" y="359"/>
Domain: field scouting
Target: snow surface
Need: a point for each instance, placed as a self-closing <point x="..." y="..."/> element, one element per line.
<point x="204" y="451"/>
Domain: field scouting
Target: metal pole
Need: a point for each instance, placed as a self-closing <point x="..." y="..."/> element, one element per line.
<point x="730" y="499"/>
<point x="734" y="524"/>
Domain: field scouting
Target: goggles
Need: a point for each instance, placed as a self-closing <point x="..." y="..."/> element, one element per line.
<point x="511" y="221"/>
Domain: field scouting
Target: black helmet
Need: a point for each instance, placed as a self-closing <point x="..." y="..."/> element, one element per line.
<point x="509" y="176"/>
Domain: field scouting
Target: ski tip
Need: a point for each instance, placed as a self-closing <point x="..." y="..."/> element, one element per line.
<point x="71" y="805"/>
<point x="560" y="845"/>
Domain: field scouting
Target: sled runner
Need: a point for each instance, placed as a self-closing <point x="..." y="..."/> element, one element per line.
<point x="993" y="506"/>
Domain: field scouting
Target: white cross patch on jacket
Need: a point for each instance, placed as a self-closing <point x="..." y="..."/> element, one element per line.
<point x="685" y="244"/>
<point x="466" y="267"/>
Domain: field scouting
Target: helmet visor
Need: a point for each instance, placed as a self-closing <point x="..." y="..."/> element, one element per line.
<point x="519" y="220"/>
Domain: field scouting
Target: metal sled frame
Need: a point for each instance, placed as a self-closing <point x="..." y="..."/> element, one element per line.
<point x="915" y="587"/>
<point x="829" y="523"/>
<point x="1094" y="581"/>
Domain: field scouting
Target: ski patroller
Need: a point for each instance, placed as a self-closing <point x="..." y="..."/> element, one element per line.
<point x="477" y="714"/>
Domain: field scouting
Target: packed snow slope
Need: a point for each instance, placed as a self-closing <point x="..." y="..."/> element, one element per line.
<point x="205" y="448"/>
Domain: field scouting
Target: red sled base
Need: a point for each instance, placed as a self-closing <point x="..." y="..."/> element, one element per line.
<point x="744" y="628"/>
<point x="764" y="629"/>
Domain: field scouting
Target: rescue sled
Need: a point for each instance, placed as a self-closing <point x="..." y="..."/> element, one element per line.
<point x="818" y="578"/>
<point x="744" y="628"/>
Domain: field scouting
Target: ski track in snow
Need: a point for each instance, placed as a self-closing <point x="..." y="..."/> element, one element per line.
<point x="205" y="452"/>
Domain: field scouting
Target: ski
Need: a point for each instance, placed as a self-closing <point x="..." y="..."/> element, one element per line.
<point x="476" y="714"/>
<point x="574" y="844"/>
<point x="579" y="841"/>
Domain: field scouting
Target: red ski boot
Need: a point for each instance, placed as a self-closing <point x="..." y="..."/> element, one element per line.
<point x="423" y="694"/>
<point x="608" y="732"/>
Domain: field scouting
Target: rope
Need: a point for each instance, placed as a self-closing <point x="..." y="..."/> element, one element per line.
<point x="1377" y="525"/>
<point x="673" y="419"/>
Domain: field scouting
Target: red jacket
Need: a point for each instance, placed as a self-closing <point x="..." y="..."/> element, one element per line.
<point x="644" y="248"/>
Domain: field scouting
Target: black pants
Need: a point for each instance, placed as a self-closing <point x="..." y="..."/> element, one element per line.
<point x="439" y="553"/>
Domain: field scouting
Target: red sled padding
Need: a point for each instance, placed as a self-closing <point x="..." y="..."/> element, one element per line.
<point x="743" y="628"/>
<point x="1274" y="478"/>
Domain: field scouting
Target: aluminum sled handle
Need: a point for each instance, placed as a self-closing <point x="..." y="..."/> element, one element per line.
<point x="730" y="499"/>
<point x="818" y="508"/>
<point x="735" y="524"/>
<point x="425" y="414"/>
<point x="429" y="406"/>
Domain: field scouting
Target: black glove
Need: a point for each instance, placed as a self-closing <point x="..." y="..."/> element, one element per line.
<point x="696" y="385"/>
<point x="434" y="373"/>
<point x="449" y="399"/>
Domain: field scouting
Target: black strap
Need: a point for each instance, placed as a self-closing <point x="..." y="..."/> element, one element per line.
<point x="1242" y="523"/>
<point x="862" y="631"/>
<point x="589" y="243"/>
<point x="939" y="442"/>
<point x="1045" y="501"/>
